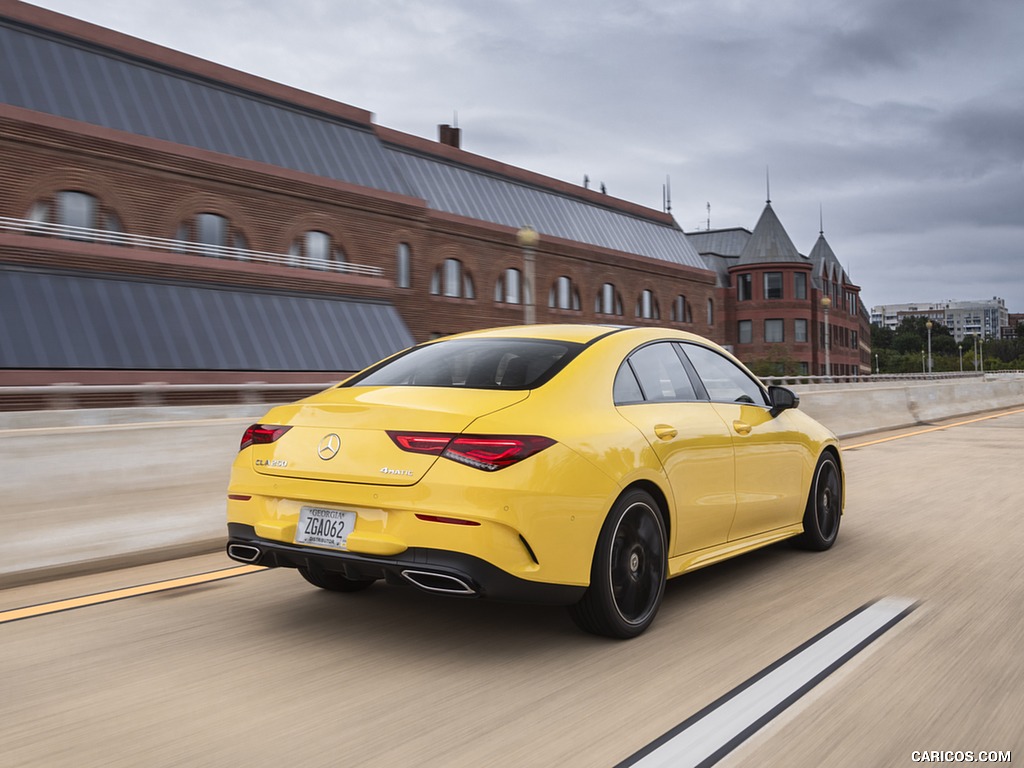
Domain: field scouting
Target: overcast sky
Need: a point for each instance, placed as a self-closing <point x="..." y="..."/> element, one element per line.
<point x="901" y="120"/>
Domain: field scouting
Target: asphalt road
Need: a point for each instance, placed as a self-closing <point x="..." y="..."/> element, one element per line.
<point x="265" y="670"/>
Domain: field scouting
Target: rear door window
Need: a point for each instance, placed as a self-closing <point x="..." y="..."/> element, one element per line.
<point x="653" y="374"/>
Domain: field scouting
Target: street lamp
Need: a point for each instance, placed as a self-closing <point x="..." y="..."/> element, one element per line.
<point x="928" y="326"/>
<point x="528" y="237"/>
<point x="826" y="302"/>
<point x="961" y="348"/>
<point x="877" y="369"/>
<point x="922" y="361"/>
<point x="981" y="353"/>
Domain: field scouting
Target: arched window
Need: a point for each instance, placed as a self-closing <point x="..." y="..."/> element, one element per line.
<point x="450" y="279"/>
<point x="509" y="287"/>
<point x="80" y="210"/>
<point x="608" y="301"/>
<point x="403" y="271"/>
<point x="647" y="306"/>
<point x="314" y="249"/>
<point x="681" y="311"/>
<point x="564" y="295"/>
<point x="213" y="233"/>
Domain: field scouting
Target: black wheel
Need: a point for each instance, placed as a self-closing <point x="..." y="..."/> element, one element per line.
<point x="824" y="506"/>
<point x="334" y="581"/>
<point x="627" y="579"/>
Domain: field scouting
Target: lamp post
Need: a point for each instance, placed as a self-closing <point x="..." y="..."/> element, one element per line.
<point x="528" y="237"/>
<point x="922" y="362"/>
<point x="961" y="348"/>
<point x="928" y="327"/>
<point x="826" y="302"/>
<point x="877" y="369"/>
<point x="981" y="353"/>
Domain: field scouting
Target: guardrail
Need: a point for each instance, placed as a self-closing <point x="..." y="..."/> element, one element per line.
<point x="882" y="378"/>
<point x="72" y="396"/>
<point x="85" y="234"/>
<point x="69" y="396"/>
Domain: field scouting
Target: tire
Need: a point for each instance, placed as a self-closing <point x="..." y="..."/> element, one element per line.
<point x="824" y="506"/>
<point x="627" y="578"/>
<point x="334" y="581"/>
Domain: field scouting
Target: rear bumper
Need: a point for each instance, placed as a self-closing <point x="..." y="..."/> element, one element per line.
<point x="431" y="570"/>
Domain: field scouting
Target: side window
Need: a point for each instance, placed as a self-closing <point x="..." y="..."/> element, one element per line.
<point x="724" y="381"/>
<point x="626" y="389"/>
<point x="659" y="373"/>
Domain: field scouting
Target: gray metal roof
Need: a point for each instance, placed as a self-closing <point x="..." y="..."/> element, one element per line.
<point x="769" y="242"/>
<point x="82" y="81"/>
<point x="476" y="194"/>
<point x="720" y="242"/>
<point x="826" y="264"/>
<point x="102" y="87"/>
<point x="79" y="321"/>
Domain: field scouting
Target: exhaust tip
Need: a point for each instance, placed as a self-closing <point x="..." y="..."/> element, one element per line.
<point x="244" y="553"/>
<point x="438" y="582"/>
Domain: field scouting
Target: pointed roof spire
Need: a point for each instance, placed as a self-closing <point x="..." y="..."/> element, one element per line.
<point x="826" y="263"/>
<point x="769" y="242"/>
<point x="821" y="221"/>
<point x="767" y="186"/>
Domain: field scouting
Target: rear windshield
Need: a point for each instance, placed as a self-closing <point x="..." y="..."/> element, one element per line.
<point x="473" y="364"/>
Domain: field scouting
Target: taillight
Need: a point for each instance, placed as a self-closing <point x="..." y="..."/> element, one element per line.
<point x="260" y="434"/>
<point x="421" y="442"/>
<point x="486" y="452"/>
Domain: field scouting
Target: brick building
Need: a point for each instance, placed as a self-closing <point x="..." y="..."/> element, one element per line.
<point x="774" y="299"/>
<point x="164" y="218"/>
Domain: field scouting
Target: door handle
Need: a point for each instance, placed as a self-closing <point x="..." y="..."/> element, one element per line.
<point x="741" y="427"/>
<point x="665" y="431"/>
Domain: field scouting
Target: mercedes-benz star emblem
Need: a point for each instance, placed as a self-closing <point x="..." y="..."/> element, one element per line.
<point x="329" y="447"/>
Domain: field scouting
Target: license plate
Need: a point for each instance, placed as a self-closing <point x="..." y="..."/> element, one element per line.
<point x="324" y="527"/>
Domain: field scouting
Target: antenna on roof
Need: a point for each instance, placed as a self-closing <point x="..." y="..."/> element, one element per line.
<point x="667" y="194"/>
<point x="821" y="221"/>
<point x="586" y="181"/>
<point x="768" y="185"/>
<point x="709" y="217"/>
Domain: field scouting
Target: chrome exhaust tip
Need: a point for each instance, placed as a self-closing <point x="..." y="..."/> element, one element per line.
<point x="438" y="582"/>
<point x="244" y="553"/>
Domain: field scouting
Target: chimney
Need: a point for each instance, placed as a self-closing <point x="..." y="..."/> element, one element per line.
<point x="446" y="134"/>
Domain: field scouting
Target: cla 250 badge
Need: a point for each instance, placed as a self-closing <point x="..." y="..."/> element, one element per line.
<point x="280" y="463"/>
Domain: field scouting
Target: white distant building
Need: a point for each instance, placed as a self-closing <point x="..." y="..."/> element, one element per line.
<point x="984" y="317"/>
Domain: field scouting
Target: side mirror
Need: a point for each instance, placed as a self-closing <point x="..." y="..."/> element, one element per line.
<point x="782" y="399"/>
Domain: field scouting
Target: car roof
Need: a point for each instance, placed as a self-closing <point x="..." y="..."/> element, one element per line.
<point x="578" y="333"/>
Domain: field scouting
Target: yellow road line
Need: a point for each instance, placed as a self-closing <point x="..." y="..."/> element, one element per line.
<point x="120" y="594"/>
<point x="932" y="429"/>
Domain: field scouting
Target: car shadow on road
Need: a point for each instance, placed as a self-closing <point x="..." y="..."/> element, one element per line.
<point x="388" y="615"/>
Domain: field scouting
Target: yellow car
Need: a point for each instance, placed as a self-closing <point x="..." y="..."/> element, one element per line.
<point x="571" y="464"/>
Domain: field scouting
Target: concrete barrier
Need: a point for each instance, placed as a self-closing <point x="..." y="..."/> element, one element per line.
<point x="85" y="488"/>
<point x="91" y="489"/>
<point x="856" y="409"/>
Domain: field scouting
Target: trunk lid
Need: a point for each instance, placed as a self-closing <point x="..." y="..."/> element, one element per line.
<point x="341" y="435"/>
